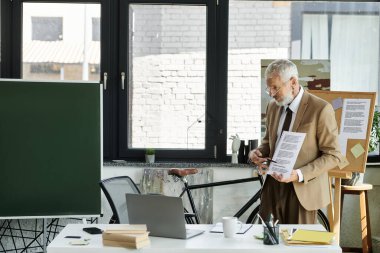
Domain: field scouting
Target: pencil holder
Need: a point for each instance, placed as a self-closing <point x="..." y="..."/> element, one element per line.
<point x="271" y="235"/>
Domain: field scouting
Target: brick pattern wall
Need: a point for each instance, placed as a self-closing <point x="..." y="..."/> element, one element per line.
<point x="170" y="29"/>
<point x="262" y="24"/>
<point x="168" y="70"/>
<point x="257" y="30"/>
<point x="244" y="91"/>
<point x="168" y="96"/>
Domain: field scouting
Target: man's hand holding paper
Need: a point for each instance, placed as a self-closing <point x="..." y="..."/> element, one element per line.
<point x="286" y="155"/>
<point x="293" y="177"/>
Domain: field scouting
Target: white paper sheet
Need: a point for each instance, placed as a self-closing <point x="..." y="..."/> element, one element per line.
<point x="286" y="153"/>
<point x="354" y="121"/>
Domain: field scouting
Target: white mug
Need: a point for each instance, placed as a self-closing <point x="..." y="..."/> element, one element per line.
<point x="231" y="225"/>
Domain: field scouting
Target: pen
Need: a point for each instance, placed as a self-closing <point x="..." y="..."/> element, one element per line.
<point x="270" y="160"/>
<point x="291" y="233"/>
<point x="270" y="220"/>
<point x="272" y="235"/>
<point x="258" y="215"/>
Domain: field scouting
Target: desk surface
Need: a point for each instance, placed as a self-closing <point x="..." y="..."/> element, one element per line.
<point x="205" y="243"/>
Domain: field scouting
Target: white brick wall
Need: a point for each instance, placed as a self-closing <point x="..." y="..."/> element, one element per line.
<point x="257" y="30"/>
<point x="169" y="70"/>
<point x="244" y="91"/>
<point x="172" y="100"/>
<point x="257" y="24"/>
<point x="168" y="30"/>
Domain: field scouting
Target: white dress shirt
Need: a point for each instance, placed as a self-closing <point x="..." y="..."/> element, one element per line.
<point x="293" y="106"/>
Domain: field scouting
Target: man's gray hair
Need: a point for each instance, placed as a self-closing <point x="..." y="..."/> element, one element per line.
<point x="284" y="68"/>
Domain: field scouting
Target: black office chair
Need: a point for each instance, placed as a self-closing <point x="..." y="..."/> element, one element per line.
<point x="114" y="189"/>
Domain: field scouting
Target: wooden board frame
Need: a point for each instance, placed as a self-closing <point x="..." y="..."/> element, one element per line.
<point x="356" y="164"/>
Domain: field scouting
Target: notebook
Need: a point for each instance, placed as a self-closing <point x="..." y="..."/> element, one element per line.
<point x="163" y="215"/>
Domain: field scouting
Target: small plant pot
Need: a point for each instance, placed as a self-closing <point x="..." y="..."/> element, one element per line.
<point x="149" y="158"/>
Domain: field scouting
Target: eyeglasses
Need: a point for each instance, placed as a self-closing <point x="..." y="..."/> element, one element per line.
<point x="269" y="90"/>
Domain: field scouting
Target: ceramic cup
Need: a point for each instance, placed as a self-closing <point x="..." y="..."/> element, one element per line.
<point x="231" y="226"/>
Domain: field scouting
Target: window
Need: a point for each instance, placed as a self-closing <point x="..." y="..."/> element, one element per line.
<point x="164" y="100"/>
<point x="47" y="28"/>
<point x="345" y="33"/>
<point x="349" y="39"/>
<point x="96" y="29"/>
<point x="46" y="54"/>
<point x="348" y="35"/>
<point x="184" y="77"/>
<point x="167" y="77"/>
<point x="257" y="30"/>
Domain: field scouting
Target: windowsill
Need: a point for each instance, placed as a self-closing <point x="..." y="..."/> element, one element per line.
<point x="370" y="164"/>
<point x="172" y="164"/>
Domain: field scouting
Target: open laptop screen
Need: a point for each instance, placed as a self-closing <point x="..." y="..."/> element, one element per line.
<point x="163" y="215"/>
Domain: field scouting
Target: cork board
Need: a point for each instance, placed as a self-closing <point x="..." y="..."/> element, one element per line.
<point x="357" y="164"/>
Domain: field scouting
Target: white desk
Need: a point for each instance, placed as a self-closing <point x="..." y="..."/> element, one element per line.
<point x="205" y="243"/>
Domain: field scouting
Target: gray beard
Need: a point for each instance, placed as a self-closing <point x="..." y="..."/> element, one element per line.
<point x="287" y="100"/>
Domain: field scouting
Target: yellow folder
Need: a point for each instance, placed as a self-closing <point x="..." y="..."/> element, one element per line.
<point x="312" y="236"/>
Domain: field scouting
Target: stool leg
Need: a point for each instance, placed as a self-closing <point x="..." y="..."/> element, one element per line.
<point x="341" y="207"/>
<point x="363" y="221"/>
<point x="369" y="236"/>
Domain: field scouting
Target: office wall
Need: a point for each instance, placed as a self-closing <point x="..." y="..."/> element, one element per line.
<point x="226" y="199"/>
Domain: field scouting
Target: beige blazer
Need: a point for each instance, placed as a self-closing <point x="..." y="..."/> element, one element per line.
<point x="319" y="153"/>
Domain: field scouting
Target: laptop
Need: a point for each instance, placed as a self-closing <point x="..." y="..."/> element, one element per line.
<point x="163" y="215"/>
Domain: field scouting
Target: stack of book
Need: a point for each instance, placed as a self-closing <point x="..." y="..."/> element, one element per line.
<point x="128" y="236"/>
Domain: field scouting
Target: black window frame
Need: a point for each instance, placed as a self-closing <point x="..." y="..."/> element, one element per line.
<point x="211" y="147"/>
<point x="11" y="48"/>
<point x="111" y="64"/>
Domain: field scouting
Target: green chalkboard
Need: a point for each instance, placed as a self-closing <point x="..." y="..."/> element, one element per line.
<point x="50" y="148"/>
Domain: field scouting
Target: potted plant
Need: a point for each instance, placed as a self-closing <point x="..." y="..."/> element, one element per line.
<point x="149" y="155"/>
<point x="375" y="132"/>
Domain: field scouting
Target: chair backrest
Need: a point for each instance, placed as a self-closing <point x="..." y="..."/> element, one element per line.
<point x="114" y="189"/>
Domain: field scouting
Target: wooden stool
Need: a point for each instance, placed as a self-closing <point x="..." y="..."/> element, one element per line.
<point x="360" y="190"/>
